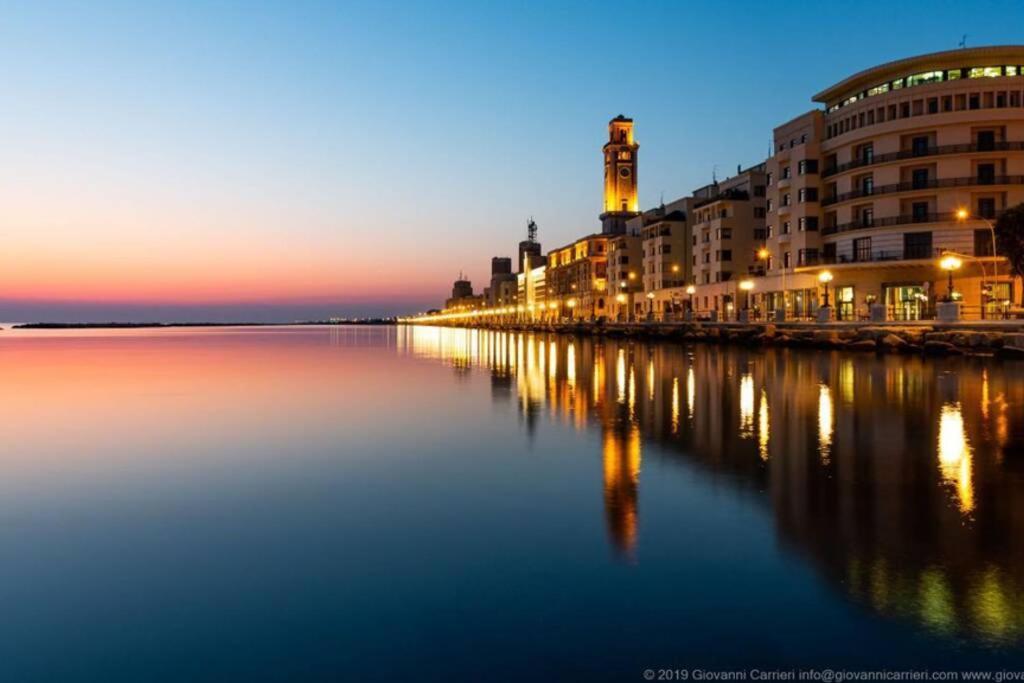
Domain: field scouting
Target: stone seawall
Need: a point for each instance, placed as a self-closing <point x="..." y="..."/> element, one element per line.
<point x="997" y="339"/>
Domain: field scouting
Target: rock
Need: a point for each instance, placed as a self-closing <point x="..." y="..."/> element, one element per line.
<point x="862" y="345"/>
<point x="935" y="347"/>
<point x="892" y="342"/>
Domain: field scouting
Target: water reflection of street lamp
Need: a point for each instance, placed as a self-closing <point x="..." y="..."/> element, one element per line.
<point x="825" y="277"/>
<point x="949" y="263"/>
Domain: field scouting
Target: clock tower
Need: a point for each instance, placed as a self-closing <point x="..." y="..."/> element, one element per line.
<point x="620" y="199"/>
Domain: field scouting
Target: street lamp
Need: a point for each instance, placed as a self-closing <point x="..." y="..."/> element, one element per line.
<point x="691" y="290"/>
<point x="825" y="277"/>
<point x="962" y="216"/>
<point x="746" y="286"/>
<point x="949" y="263"/>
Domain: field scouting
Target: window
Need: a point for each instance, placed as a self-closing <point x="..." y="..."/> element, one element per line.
<point x="785" y="200"/>
<point x="987" y="207"/>
<point x="724" y="233"/>
<point x="801" y="167"/>
<point x="769" y="205"/>
<point x="809" y="194"/>
<point x="723" y="255"/>
<point x="917" y="245"/>
<point x="919" y="211"/>
<point x="785" y="227"/>
<point x="986" y="174"/>
<point x="768" y="179"/>
<point x="919" y="178"/>
<point x="919" y="146"/>
<point x="982" y="243"/>
<point x="786" y="260"/>
<point x="759" y="212"/>
<point x="785" y="172"/>
<point x="867" y="154"/>
<point x="867" y="185"/>
<point x="924" y="77"/>
<point x="758" y="190"/>
<point x="867" y="216"/>
<point x="810" y="224"/>
<point x="985" y="72"/>
<point x="862" y="249"/>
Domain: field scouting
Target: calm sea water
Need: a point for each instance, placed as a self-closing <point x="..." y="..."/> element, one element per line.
<point x="425" y="504"/>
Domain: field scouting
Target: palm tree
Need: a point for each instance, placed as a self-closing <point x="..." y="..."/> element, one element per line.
<point x="1010" y="238"/>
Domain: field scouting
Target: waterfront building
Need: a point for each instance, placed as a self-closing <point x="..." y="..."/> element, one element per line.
<point x="462" y="297"/>
<point x="625" y="284"/>
<point x="915" y="159"/>
<point x="502" y="291"/>
<point x="665" y="239"/>
<point x="620" y="180"/>
<point x="577" y="278"/>
<point x="727" y="227"/>
<point x="532" y="301"/>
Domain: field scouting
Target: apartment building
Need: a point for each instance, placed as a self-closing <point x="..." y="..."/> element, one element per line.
<point x="625" y="268"/>
<point x="727" y="225"/>
<point x="577" y="278"/>
<point x="666" y="255"/>
<point x="905" y="163"/>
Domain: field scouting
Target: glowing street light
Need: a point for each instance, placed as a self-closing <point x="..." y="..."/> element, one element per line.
<point x="691" y="290"/>
<point x="962" y="216"/>
<point x="825" y="277"/>
<point x="746" y="286"/>
<point x="621" y="298"/>
<point x="949" y="263"/>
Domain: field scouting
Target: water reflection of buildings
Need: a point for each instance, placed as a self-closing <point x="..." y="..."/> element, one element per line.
<point x="901" y="480"/>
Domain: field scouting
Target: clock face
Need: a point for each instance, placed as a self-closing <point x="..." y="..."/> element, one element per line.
<point x="624" y="172"/>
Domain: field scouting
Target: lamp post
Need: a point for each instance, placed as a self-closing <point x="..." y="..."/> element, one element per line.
<point x="949" y="263"/>
<point x="690" y="291"/>
<point x="746" y="286"/>
<point x="962" y="216"/>
<point x="949" y="310"/>
<point x="825" y="312"/>
<point x="825" y="277"/>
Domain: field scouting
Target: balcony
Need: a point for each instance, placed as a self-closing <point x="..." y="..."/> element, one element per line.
<point x="903" y="219"/>
<point x="911" y="253"/>
<point x="931" y="184"/>
<point x="926" y="152"/>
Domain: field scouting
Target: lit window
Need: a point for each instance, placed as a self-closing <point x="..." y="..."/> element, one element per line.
<point x="1012" y="71"/>
<point x="986" y="72"/>
<point x="878" y="90"/>
<point x="952" y="74"/>
<point x="925" y="77"/>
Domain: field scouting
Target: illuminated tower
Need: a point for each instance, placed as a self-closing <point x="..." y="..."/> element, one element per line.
<point x="620" y="200"/>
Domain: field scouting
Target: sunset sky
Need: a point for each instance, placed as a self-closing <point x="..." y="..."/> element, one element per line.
<point x="274" y="161"/>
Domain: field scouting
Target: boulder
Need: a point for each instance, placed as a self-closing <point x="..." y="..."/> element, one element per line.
<point x="862" y="345"/>
<point x="893" y="342"/>
<point x="936" y="347"/>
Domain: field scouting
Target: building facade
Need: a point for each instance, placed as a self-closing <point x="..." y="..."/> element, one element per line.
<point x="625" y="284"/>
<point x="909" y="161"/>
<point x="577" y="278"/>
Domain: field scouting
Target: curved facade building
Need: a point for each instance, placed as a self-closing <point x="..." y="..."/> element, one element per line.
<point x="906" y="162"/>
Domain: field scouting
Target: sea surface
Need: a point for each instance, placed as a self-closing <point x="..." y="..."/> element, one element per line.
<point x="424" y="504"/>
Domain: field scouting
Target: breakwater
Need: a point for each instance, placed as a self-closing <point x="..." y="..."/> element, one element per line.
<point x="1003" y="338"/>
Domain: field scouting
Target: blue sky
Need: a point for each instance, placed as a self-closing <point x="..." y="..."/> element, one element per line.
<point x="345" y="158"/>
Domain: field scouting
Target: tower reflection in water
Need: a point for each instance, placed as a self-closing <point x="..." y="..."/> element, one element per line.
<point x="900" y="479"/>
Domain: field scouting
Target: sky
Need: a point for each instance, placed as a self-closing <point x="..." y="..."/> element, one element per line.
<point x="231" y="161"/>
